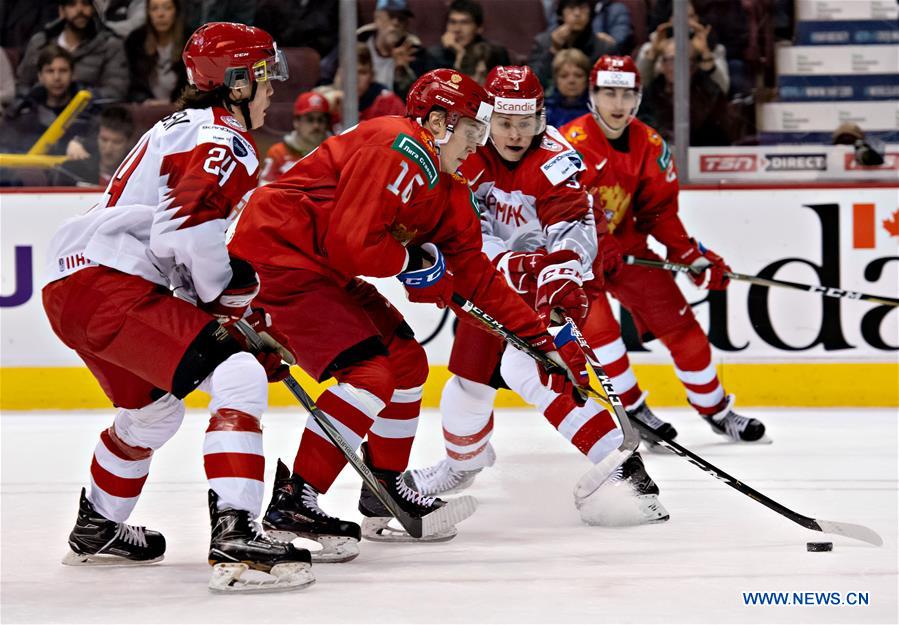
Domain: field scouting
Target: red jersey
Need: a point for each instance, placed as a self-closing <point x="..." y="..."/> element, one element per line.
<point x="351" y="206"/>
<point x="278" y="160"/>
<point x="633" y="181"/>
<point x="536" y="202"/>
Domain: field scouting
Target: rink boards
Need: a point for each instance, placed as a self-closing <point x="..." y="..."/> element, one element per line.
<point x="771" y="346"/>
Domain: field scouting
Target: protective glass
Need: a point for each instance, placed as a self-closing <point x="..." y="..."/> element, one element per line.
<point x="515" y="126"/>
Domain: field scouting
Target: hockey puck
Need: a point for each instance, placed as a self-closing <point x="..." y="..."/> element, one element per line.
<point x="819" y="546"/>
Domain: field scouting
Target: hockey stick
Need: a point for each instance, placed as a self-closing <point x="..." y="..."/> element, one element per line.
<point x="828" y="291"/>
<point x="263" y="342"/>
<point x="850" y="530"/>
<point x="591" y="480"/>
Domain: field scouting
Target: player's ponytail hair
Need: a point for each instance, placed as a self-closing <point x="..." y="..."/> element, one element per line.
<point x="193" y="98"/>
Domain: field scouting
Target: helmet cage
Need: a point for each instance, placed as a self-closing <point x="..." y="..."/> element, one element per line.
<point x="271" y="68"/>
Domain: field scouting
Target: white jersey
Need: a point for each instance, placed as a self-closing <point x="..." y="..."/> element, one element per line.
<point x="164" y="214"/>
<point x="535" y="203"/>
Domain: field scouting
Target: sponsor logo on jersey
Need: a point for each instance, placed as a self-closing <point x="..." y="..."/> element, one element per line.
<point x="552" y="146"/>
<point x="795" y="162"/>
<point x="418" y="154"/>
<point x="230" y="120"/>
<point x="561" y="167"/>
<point x="654" y="137"/>
<point x="722" y="163"/>
<point x="614" y="202"/>
<point x="240" y="148"/>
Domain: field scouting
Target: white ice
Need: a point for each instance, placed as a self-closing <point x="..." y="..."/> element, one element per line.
<point x="523" y="557"/>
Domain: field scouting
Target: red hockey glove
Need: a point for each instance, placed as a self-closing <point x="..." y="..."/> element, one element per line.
<point x="426" y="278"/>
<point x="520" y="270"/>
<point x="559" y="286"/>
<point x="564" y="351"/>
<point x="234" y="301"/>
<point x="612" y="256"/>
<point x="708" y="268"/>
<point x="277" y="345"/>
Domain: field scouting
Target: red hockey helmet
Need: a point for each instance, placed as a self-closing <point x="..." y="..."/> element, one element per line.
<point x="455" y="93"/>
<point x="616" y="72"/>
<point x="516" y="90"/>
<point x="225" y="54"/>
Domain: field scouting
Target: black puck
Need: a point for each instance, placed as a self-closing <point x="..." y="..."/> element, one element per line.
<point x="819" y="546"/>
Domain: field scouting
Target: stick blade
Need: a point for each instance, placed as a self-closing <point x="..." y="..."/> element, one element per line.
<point x="600" y="472"/>
<point x="850" y="530"/>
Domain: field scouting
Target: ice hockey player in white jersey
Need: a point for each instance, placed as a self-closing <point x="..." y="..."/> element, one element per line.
<point x="540" y="229"/>
<point x="141" y="286"/>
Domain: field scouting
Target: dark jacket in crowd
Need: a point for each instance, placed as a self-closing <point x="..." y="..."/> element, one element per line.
<point x="100" y="62"/>
<point x="541" y="58"/>
<point x="142" y="66"/>
<point x="614" y="19"/>
<point x="710" y="118"/>
<point x="300" y="23"/>
<point x="26" y="119"/>
<point x="446" y="57"/>
<point x="561" y="110"/>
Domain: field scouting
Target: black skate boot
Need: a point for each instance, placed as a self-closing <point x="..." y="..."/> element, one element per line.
<point x="97" y="540"/>
<point x="640" y="412"/>
<point x="736" y="427"/>
<point x="238" y="544"/>
<point x="294" y="512"/>
<point x="628" y="497"/>
<point x="438" y="517"/>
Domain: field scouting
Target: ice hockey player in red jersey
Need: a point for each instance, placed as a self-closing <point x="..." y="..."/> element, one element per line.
<point x="379" y="200"/>
<point x="540" y="230"/>
<point x="632" y="177"/>
<point x="142" y="288"/>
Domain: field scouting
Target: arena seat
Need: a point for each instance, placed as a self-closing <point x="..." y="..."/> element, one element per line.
<point x="303" y="65"/>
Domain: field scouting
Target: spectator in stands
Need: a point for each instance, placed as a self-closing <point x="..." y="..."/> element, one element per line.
<point x="398" y="57"/>
<point x="575" y="31"/>
<point x="311" y="121"/>
<point x="709" y="55"/>
<point x="729" y="28"/>
<point x="464" y="28"/>
<point x="375" y="100"/>
<point x="611" y="22"/>
<point x="31" y="114"/>
<point x="122" y="17"/>
<point x="300" y="23"/>
<point x="710" y="117"/>
<point x="102" y="153"/>
<point x="569" y="97"/>
<point x="479" y="59"/>
<point x="7" y="81"/>
<point x="20" y="20"/>
<point x="154" y="54"/>
<point x="199" y="12"/>
<point x="98" y="56"/>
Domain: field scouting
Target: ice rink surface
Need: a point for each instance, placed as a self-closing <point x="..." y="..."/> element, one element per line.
<point x="523" y="557"/>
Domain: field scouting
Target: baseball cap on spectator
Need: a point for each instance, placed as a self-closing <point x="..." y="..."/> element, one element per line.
<point x="394" y="6"/>
<point x="310" y="102"/>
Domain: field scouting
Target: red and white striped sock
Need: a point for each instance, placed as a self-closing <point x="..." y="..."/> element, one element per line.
<point x="234" y="461"/>
<point x="118" y="473"/>
<point x="391" y="436"/>
<point x="590" y="427"/>
<point x="704" y="391"/>
<point x="467" y="411"/>
<point x="613" y="358"/>
<point x="352" y="411"/>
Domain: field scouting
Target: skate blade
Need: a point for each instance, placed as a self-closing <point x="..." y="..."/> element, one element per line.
<point x="83" y="559"/>
<point x="385" y="529"/>
<point x="232" y="578"/>
<point x="331" y="549"/>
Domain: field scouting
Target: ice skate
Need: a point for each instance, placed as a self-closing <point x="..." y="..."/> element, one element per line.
<point x="96" y="540"/>
<point x="239" y="546"/>
<point x="641" y="412"/>
<point x="443" y="479"/>
<point x="294" y="512"/>
<point x="438" y="517"/>
<point x="627" y="497"/>
<point x="736" y="427"/>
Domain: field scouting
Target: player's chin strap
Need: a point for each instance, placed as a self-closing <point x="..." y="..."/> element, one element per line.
<point x="244" y="104"/>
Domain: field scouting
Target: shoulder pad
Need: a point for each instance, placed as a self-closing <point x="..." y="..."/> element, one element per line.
<point x="563" y="161"/>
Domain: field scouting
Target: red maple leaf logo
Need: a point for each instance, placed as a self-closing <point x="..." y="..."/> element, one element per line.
<point x="891" y="225"/>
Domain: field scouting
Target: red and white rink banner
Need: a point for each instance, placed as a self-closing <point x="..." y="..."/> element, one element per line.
<point x="837" y="236"/>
